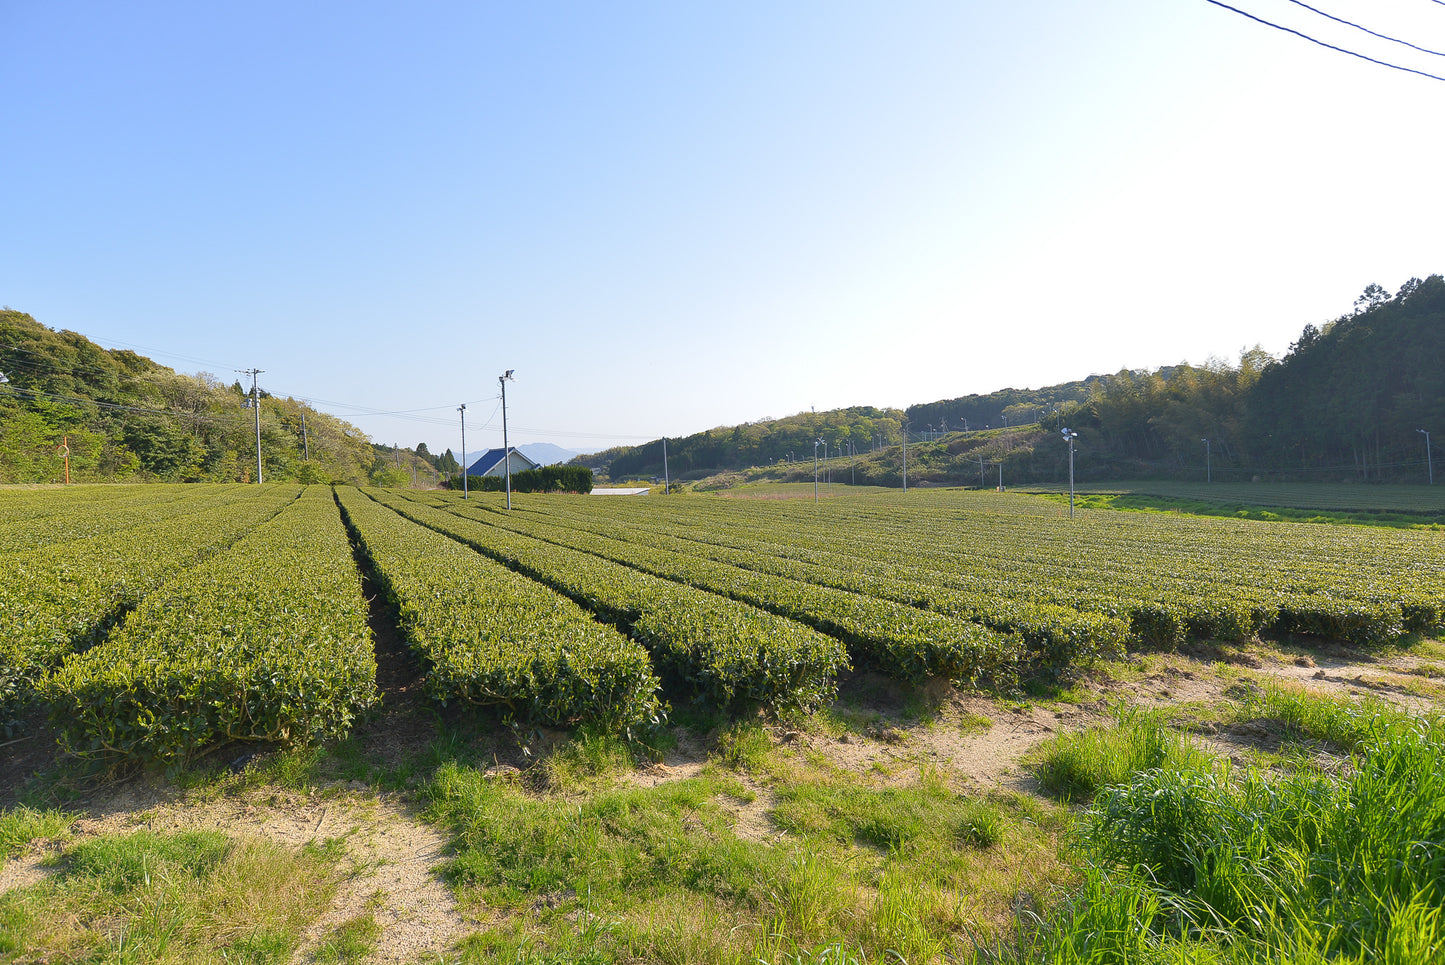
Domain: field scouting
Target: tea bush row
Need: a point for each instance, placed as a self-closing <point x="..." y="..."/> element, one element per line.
<point x="492" y="637"/>
<point x="705" y="644"/>
<point x="68" y="595"/>
<point x="267" y="640"/>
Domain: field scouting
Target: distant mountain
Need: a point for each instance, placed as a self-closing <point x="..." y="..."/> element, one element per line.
<point x="546" y="454"/>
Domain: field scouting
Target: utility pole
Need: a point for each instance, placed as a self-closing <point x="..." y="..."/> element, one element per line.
<point x="1208" y="463"/>
<point x="255" y="404"/>
<point x="463" y="410"/>
<point x="1070" y="437"/>
<point x="305" y="439"/>
<point x="905" y="457"/>
<point x="666" y="482"/>
<point x="816" y="444"/>
<point x="506" y="449"/>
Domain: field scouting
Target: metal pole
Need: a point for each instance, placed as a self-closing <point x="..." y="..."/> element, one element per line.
<point x="905" y="457"/>
<point x="256" y="407"/>
<point x="1071" y="436"/>
<point x="1208" y="463"/>
<point x="666" y="483"/>
<point x="815" y="470"/>
<point x="506" y="448"/>
<point x="1429" y="463"/>
<point x="463" y="410"/>
<point x="305" y="439"/>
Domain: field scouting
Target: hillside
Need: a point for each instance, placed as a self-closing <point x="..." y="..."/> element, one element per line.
<point x="125" y="418"/>
<point x="1346" y="402"/>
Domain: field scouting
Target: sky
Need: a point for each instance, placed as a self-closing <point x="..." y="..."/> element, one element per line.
<point x="671" y="216"/>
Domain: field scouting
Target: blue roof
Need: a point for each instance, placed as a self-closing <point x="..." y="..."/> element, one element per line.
<point x="491" y="459"/>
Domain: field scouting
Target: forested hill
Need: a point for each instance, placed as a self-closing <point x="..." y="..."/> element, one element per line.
<point x="866" y="429"/>
<point x="760" y="443"/>
<point x="1346" y="401"/>
<point x="123" y="417"/>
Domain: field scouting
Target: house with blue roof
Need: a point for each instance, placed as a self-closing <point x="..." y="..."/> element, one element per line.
<point x="493" y="463"/>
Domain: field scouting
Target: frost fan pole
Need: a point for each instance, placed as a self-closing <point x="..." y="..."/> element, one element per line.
<point x="463" y="410"/>
<point x="256" y="410"/>
<point x="506" y="449"/>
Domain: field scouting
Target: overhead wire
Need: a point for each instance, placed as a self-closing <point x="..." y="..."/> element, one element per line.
<point x="1315" y="40"/>
<point x="43" y="364"/>
<point x="1351" y="23"/>
<point x="116" y="406"/>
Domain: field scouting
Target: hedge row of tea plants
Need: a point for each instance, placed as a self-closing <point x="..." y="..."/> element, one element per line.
<point x="267" y="640"/>
<point x="897" y="639"/>
<point x="716" y="648"/>
<point x="34" y="519"/>
<point x="1167" y="577"/>
<point x="1055" y="635"/>
<point x="68" y="595"/>
<point x="491" y="637"/>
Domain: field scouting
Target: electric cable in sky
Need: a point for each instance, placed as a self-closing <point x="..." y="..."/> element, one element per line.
<point x="1313" y="40"/>
<point x="1349" y="23"/>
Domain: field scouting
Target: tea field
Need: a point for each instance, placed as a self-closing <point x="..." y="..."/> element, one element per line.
<point x="404" y="726"/>
<point x="155" y="621"/>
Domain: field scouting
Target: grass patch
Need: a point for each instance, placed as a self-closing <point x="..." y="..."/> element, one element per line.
<point x="660" y="873"/>
<point x="351" y="941"/>
<point x="1189" y="865"/>
<point x="745" y="747"/>
<point x="168" y="898"/>
<point x="588" y="762"/>
<point x="1396" y="518"/>
<point x="968" y="723"/>
<point x="23" y="825"/>
<point x="1075" y="766"/>
<point x="1341" y="722"/>
<point x="923" y="818"/>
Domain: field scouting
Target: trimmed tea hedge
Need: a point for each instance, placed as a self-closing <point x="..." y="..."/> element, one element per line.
<point x="67" y="596"/>
<point x="492" y="637"/>
<point x="265" y="641"/>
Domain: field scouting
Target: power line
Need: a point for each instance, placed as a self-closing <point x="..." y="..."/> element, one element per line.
<point x="1349" y="23"/>
<point x="1313" y="40"/>
<point x="115" y="406"/>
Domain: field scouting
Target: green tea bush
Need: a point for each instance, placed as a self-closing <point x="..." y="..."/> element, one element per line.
<point x="267" y="640"/>
<point x="492" y="637"/>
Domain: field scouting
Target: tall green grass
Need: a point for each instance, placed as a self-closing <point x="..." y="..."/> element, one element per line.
<point x="1074" y="766"/>
<point x="1204" y="865"/>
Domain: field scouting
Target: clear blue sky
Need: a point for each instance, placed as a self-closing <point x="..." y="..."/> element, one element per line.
<point x="669" y="216"/>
